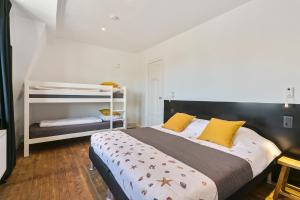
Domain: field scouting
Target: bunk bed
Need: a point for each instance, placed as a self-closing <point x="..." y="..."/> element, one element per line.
<point x="53" y="92"/>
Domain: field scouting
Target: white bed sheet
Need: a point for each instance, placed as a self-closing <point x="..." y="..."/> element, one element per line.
<point x="71" y="89"/>
<point x="69" y="121"/>
<point x="65" y="89"/>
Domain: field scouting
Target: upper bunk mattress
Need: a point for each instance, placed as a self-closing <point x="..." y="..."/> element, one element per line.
<point x="36" y="131"/>
<point x="115" y="95"/>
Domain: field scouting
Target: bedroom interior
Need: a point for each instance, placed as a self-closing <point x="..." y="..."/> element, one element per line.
<point x="140" y="99"/>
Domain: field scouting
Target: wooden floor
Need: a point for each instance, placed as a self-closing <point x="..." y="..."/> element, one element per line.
<point x="59" y="171"/>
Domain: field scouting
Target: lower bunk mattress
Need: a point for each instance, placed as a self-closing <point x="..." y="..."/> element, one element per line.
<point x="36" y="131"/>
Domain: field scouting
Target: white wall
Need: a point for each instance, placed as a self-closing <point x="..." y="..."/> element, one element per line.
<point x="27" y="38"/>
<point x="248" y="54"/>
<point x="69" y="61"/>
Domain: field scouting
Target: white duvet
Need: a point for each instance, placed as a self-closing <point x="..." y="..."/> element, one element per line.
<point x="145" y="173"/>
<point x="69" y="121"/>
<point x="70" y="89"/>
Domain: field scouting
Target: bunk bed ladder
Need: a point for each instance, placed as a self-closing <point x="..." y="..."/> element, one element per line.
<point x="124" y="108"/>
<point x="26" y="118"/>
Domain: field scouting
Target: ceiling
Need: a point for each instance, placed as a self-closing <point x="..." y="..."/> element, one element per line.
<point x="142" y="24"/>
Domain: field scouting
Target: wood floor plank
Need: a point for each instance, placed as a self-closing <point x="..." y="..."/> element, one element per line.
<point x="59" y="171"/>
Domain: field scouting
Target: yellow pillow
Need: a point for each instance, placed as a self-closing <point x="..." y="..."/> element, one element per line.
<point x="178" y="122"/>
<point x="221" y="132"/>
<point x="115" y="85"/>
<point x="106" y="112"/>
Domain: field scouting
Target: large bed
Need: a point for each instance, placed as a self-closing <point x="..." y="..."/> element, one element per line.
<point x="155" y="163"/>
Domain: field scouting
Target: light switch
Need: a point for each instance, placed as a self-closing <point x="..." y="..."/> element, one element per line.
<point x="289" y="92"/>
<point x="172" y="95"/>
<point x="287" y="121"/>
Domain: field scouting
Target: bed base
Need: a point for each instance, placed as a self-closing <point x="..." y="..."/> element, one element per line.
<point x="91" y="167"/>
<point x="107" y="176"/>
<point x="119" y="194"/>
<point x="109" y="195"/>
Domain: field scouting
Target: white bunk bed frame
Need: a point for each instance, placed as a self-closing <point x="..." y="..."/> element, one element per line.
<point x="82" y="90"/>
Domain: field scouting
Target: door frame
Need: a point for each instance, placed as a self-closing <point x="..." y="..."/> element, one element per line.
<point x="150" y="61"/>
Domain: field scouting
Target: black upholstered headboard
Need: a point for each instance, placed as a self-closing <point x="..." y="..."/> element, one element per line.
<point x="264" y="118"/>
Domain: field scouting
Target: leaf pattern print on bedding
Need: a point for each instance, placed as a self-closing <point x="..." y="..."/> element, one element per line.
<point x="150" y="174"/>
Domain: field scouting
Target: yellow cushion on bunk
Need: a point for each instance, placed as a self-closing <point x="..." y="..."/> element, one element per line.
<point x="115" y="85"/>
<point x="221" y="132"/>
<point x="178" y="122"/>
<point x="106" y="112"/>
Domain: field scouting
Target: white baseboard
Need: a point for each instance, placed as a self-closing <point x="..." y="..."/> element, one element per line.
<point x="3" y="143"/>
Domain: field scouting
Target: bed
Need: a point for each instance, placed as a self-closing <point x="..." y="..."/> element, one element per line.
<point x="70" y="90"/>
<point x="152" y="163"/>
<point x="117" y="94"/>
<point x="36" y="92"/>
<point x="35" y="131"/>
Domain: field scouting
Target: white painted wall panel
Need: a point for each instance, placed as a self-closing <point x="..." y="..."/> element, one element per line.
<point x="249" y="54"/>
<point x="70" y="61"/>
<point x="28" y="36"/>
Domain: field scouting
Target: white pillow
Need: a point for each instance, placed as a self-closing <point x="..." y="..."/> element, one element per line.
<point x="69" y="121"/>
<point x="195" y="128"/>
<point x="107" y="118"/>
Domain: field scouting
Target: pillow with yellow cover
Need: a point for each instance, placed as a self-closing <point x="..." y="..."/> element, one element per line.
<point x="115" y="85"/>
<point x="221" y="132"/>
<point x="105" y="115"/>
<point x="178" y="122"/>
<point x="106" y="112"/>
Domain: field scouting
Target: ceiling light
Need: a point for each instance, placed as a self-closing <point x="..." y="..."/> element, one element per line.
<point x="114" y="17"/>
<point x="103" y="29"/>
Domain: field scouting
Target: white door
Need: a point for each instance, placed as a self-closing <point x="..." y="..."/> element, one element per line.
<point x="155" y="92"/>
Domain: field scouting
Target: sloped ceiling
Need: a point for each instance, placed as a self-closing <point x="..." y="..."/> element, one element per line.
<point x="43" y="10"/>
<point x="142" y="24"/>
